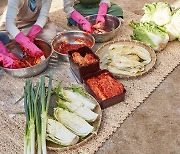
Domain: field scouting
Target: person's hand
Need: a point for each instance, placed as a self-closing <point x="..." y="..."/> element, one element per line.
<point x="100" y="22"/>
<point x="87" y="27"/>
<point x="82" y="21"/>
<point x="7" y="59"/>
<point x="34" y="31"/>
<point x="29" y="46"/>
<point x="9" y="62"/>
<point x="101" y="14"/>
<point x="4" y="51"/>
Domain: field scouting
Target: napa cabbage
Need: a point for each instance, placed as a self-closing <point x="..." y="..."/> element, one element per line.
<point x="173" y="28"/>
<point x="150" y="34"/>
<point x="160" y="13"/>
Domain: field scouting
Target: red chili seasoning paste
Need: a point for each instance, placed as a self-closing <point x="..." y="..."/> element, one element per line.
<point x="63" y="47"/>
<point x="104" y="86"/>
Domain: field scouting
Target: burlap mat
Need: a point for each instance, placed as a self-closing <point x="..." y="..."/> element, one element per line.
<point x="138" y="89"/>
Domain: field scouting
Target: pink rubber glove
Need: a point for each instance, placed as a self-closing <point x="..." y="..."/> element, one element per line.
<point x="7" y="59"/>
<point x="101" y="13"/>
<point x="25" y="42"/>
<point x="82" y="21"/>
<point x="9" y="62"/>
<point x="4" y="51"/>
<point x="34" y="31"/>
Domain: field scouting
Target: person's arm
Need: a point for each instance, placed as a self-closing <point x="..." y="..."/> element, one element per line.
<point x="7" y="59"/>
<point x="86" y="26"/>
<point x="102" y="11"/>
<point x="107" y="2"/>
<point x="41" y="21"/>
<point x="44" y="12"/>
<point x="75" y="15"/>
<point x="68" y="7"/>
<point x="12" y="11"/>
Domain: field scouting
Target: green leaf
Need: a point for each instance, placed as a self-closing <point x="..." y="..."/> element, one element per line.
<point x="58" y="91"/>
<point x="62" y="104"/>
<point x="78" y="89"/>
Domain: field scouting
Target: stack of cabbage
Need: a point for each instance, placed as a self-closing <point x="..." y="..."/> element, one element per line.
<point x="159" y="24"/>
<point x="72" y="115"/>
<point x="127" y="59"/>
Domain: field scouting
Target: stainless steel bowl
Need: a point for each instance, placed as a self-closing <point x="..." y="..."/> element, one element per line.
<point x="112" y="24"/>
<point x="72" y="37"/>
<point x="33" y="70"/>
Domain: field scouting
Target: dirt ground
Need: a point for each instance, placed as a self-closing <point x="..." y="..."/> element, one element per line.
<point x="154" y="128"/>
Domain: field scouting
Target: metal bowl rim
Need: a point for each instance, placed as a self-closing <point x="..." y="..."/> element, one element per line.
<point x="69" y="31"/>
<point x="109" y="16"/>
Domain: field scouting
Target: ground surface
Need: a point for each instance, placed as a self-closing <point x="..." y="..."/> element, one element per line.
<point x="154" y="128"/>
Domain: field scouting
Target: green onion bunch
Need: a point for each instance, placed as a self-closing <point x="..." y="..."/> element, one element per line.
<point x="36" y="103"/>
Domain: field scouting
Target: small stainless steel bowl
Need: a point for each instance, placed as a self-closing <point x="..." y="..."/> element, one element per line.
<point x="112" y="24"/>
<point x="33" y="70"/>
<point x="72" y="37"/>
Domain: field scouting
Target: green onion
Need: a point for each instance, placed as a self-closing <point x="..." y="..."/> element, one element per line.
<point x="44" y="110"/>
<point x="43" y="115"/>
<point x="36" y="103"/>
<point x="37" y="107"/>
<point x="45" y="107"/>
<point x="29" y="138"/>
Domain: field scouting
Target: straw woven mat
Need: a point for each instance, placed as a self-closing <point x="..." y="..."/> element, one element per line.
<point x="138" y="89"/>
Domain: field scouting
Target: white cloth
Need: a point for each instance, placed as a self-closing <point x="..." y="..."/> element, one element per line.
<point x="68" y="6"/>
<point x="14" y="13"/>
